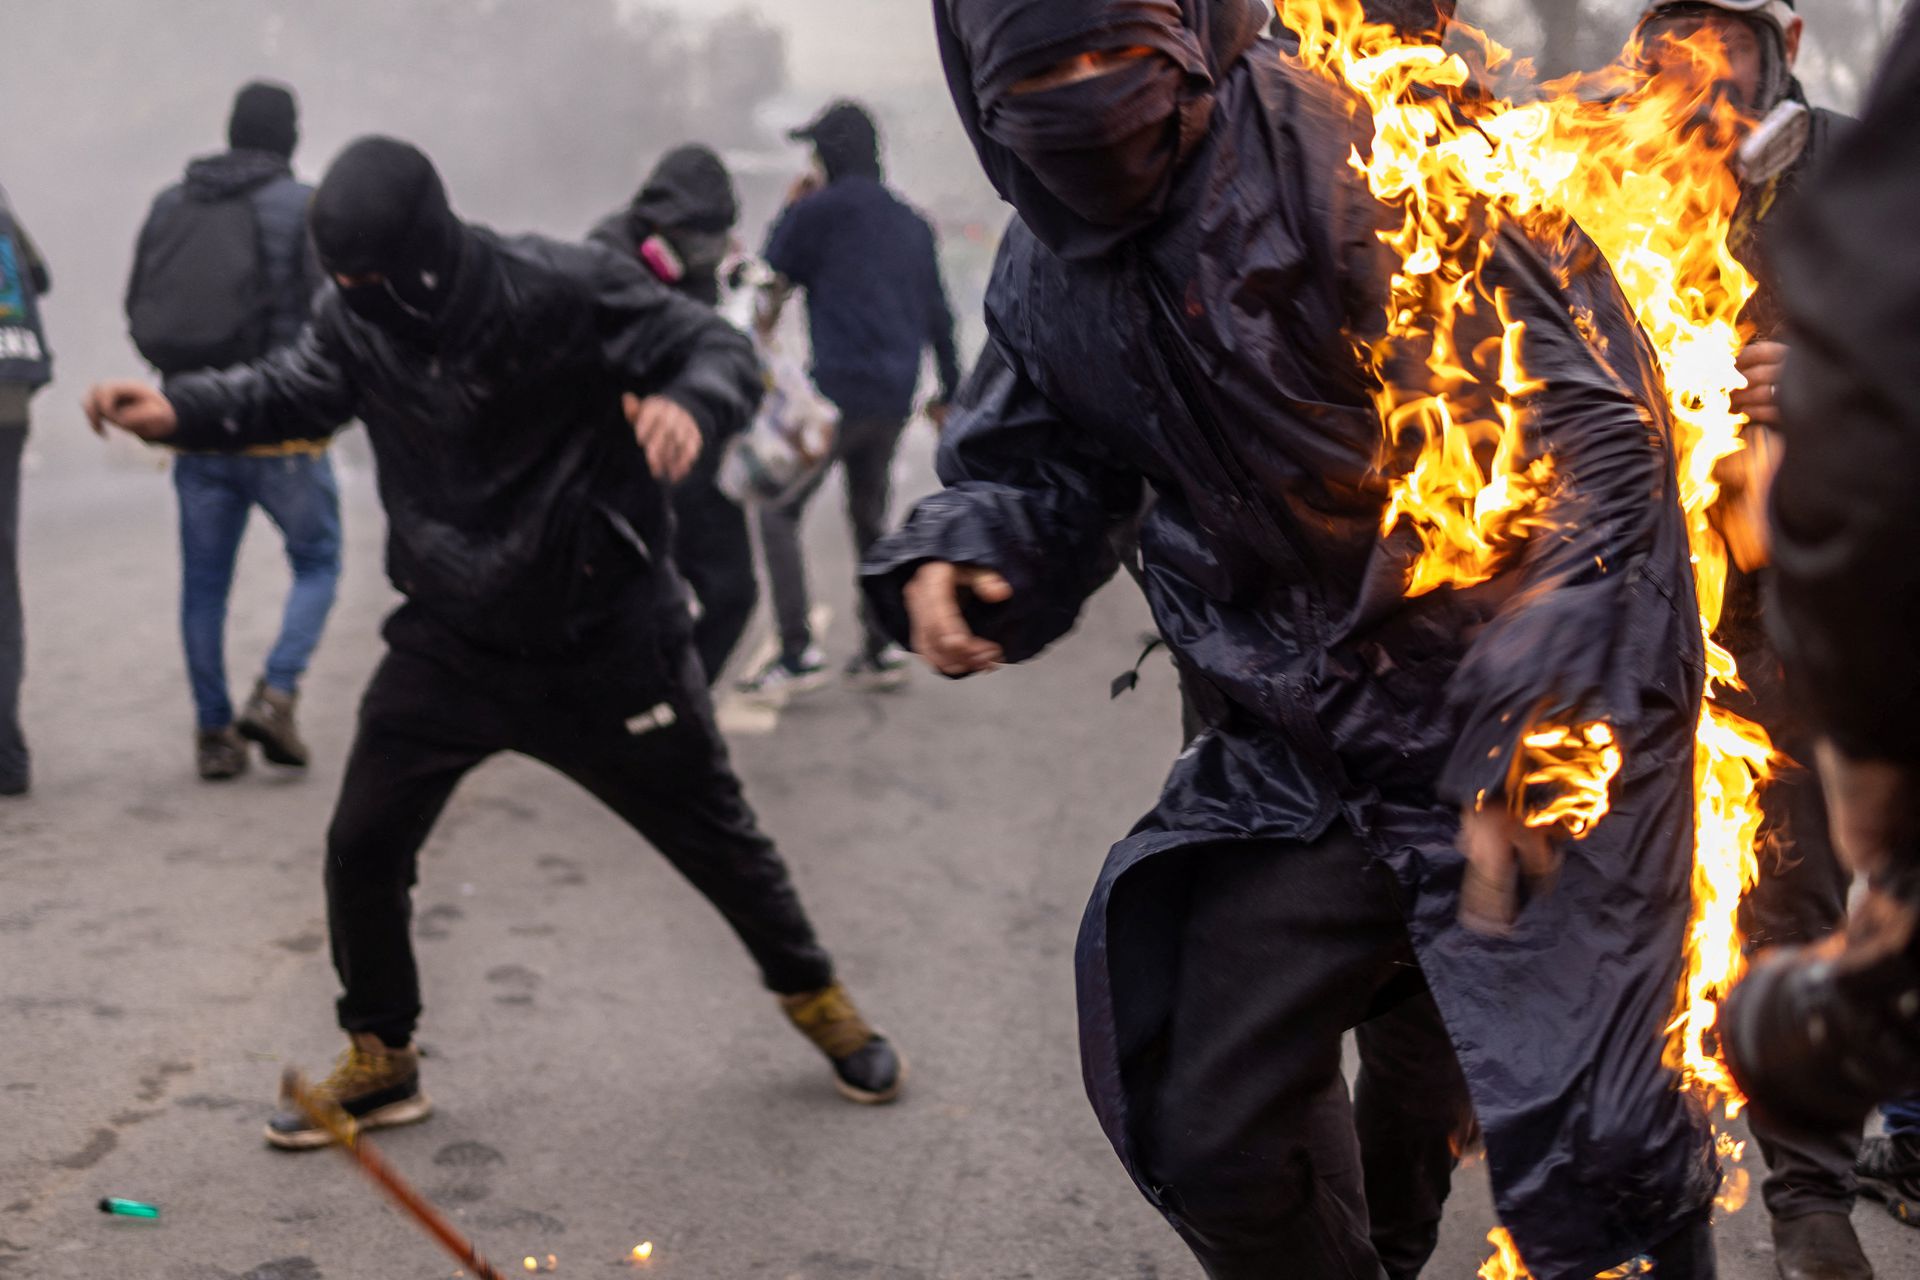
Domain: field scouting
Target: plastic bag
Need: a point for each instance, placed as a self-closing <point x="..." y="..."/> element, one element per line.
<point x="791" y="439"/>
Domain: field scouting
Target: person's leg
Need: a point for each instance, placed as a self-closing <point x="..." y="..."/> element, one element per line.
<point x="714" y="549"/>
<point x="213" y="518"/>
<point x="299" y="495"/>
<point x="15" y="770"/>
<point x="663" y="767"/>
<point x="1250" y="1140"/>
<point x="421" y="729"/>
<point x="1800" y="898"/>
<point x="868" y="456"/>
<point x="1414" y="1119"/>
<point x="787" y="569"/>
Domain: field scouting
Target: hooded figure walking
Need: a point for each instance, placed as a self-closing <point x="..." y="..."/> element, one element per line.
<point x="1175" y="310"/>
<point x="680" y="228"/>
<point x="528" y="402"/>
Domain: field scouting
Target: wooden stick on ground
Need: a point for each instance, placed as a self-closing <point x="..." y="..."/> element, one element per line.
<point x="326" y="1114"/>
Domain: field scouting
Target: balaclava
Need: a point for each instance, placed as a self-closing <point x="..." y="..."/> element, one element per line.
<point x="1091" y="163"/>
<point x="265" y="118"/>
<point x="382" y="211"/>
<point x="689" y="198"/>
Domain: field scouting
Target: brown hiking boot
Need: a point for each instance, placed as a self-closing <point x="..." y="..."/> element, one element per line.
<point x="268" y="720"/>
<point x="220" y="753"/>
<point x="866" y="1068"/>
<point x="377" y="1086"/>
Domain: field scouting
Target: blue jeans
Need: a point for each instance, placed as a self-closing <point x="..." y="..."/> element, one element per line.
<point x="1902" y="1116"/>
<point x="217" y="495"/>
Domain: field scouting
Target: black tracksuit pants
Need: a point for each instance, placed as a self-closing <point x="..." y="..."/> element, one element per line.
<point x="627" y="719"/>
<point x="713" y="546"/>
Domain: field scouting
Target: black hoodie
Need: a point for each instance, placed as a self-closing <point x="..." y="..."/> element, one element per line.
<point x="689" y="199"/>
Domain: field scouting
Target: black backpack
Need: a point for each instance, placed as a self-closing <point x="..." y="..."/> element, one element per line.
<point x="199" y="296"/>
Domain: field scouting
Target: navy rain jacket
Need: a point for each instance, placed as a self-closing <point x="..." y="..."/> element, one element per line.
<point x="1206" y="360"/>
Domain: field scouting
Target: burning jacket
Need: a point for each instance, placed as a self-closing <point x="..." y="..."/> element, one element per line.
<point x="1210" y="360"/>
<point x="521" y="515"/>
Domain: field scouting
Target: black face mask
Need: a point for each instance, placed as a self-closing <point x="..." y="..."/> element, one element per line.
<point x="1104" y="147"/>
<point x="385" y="306"/>
<point x="1092" y="163"/>
<point x="382" y="212"/>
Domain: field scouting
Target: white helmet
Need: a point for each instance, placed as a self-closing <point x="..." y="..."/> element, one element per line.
<point x="1778" y="12"/>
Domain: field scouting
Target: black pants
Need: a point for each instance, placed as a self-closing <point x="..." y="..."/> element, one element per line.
<point x="14" y="766"/>
<point x="714" y="550"/>
<point x="865" y="447"/>
<point x="646" y="746"/>
<point x="1253" y="1146"/>
<point x="1253" y="1139"/>
<point x="1801" y="897"/>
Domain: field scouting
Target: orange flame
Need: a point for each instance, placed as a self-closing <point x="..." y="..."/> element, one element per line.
<point x="1641" y="164"/>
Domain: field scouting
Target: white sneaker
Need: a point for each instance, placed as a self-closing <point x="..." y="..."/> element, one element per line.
<point x="777" y="682"/>
<point x="883" y="673"/>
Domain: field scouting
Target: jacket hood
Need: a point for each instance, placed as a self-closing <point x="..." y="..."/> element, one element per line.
<point x="989" y="46"/>
<point x="690" y="188"/>
<point x="233" y="173"/>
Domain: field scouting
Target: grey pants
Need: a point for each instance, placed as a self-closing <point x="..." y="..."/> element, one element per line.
<point x="865" y="449"/>
<point x="13" y="743"/>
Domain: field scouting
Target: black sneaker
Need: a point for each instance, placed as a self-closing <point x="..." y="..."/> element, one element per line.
<point x="782" y="679"/>
<point x="866" y="1067"/>
<point x="881" y="672"/>
<point x="220" y="754"/>
<point x="1889" y="1171"/>
<point x="375" y="1085"/>
<point x="268" y="720"/>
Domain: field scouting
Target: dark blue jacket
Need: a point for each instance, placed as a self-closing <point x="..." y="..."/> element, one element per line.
<point x="875" y="299"/>
<point x="1210" y="359"/>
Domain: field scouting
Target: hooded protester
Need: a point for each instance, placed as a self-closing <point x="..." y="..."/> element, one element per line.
<point x="223" y="274"/>
<point x="1801" y="896"/>
<point x="26" y="365"/>
<point x="876" y="303"/>
<point x="1174" y="311"/>
<point x="680" y="228"/>
<point x="504" y="383"/>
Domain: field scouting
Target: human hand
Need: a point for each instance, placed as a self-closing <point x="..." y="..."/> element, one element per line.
<point x="1761" y="364"/>
<point x="1499" y="848"/>
<point x="668" y="434"/>
<point x="940" y="631"/>
<point x="135" y="407"/>
<point x="1871" y="805"/>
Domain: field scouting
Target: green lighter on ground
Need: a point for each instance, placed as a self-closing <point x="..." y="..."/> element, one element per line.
<point x="128" y="1208"/>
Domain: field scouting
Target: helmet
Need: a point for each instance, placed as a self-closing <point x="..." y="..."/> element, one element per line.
<point x="1779" y="13"/>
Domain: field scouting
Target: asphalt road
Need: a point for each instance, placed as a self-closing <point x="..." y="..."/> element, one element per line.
<point x="605" y="1067"/>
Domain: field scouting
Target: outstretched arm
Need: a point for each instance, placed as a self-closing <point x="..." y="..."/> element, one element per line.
<point x="996" y="566"/>
<point x="299" y="392"/>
